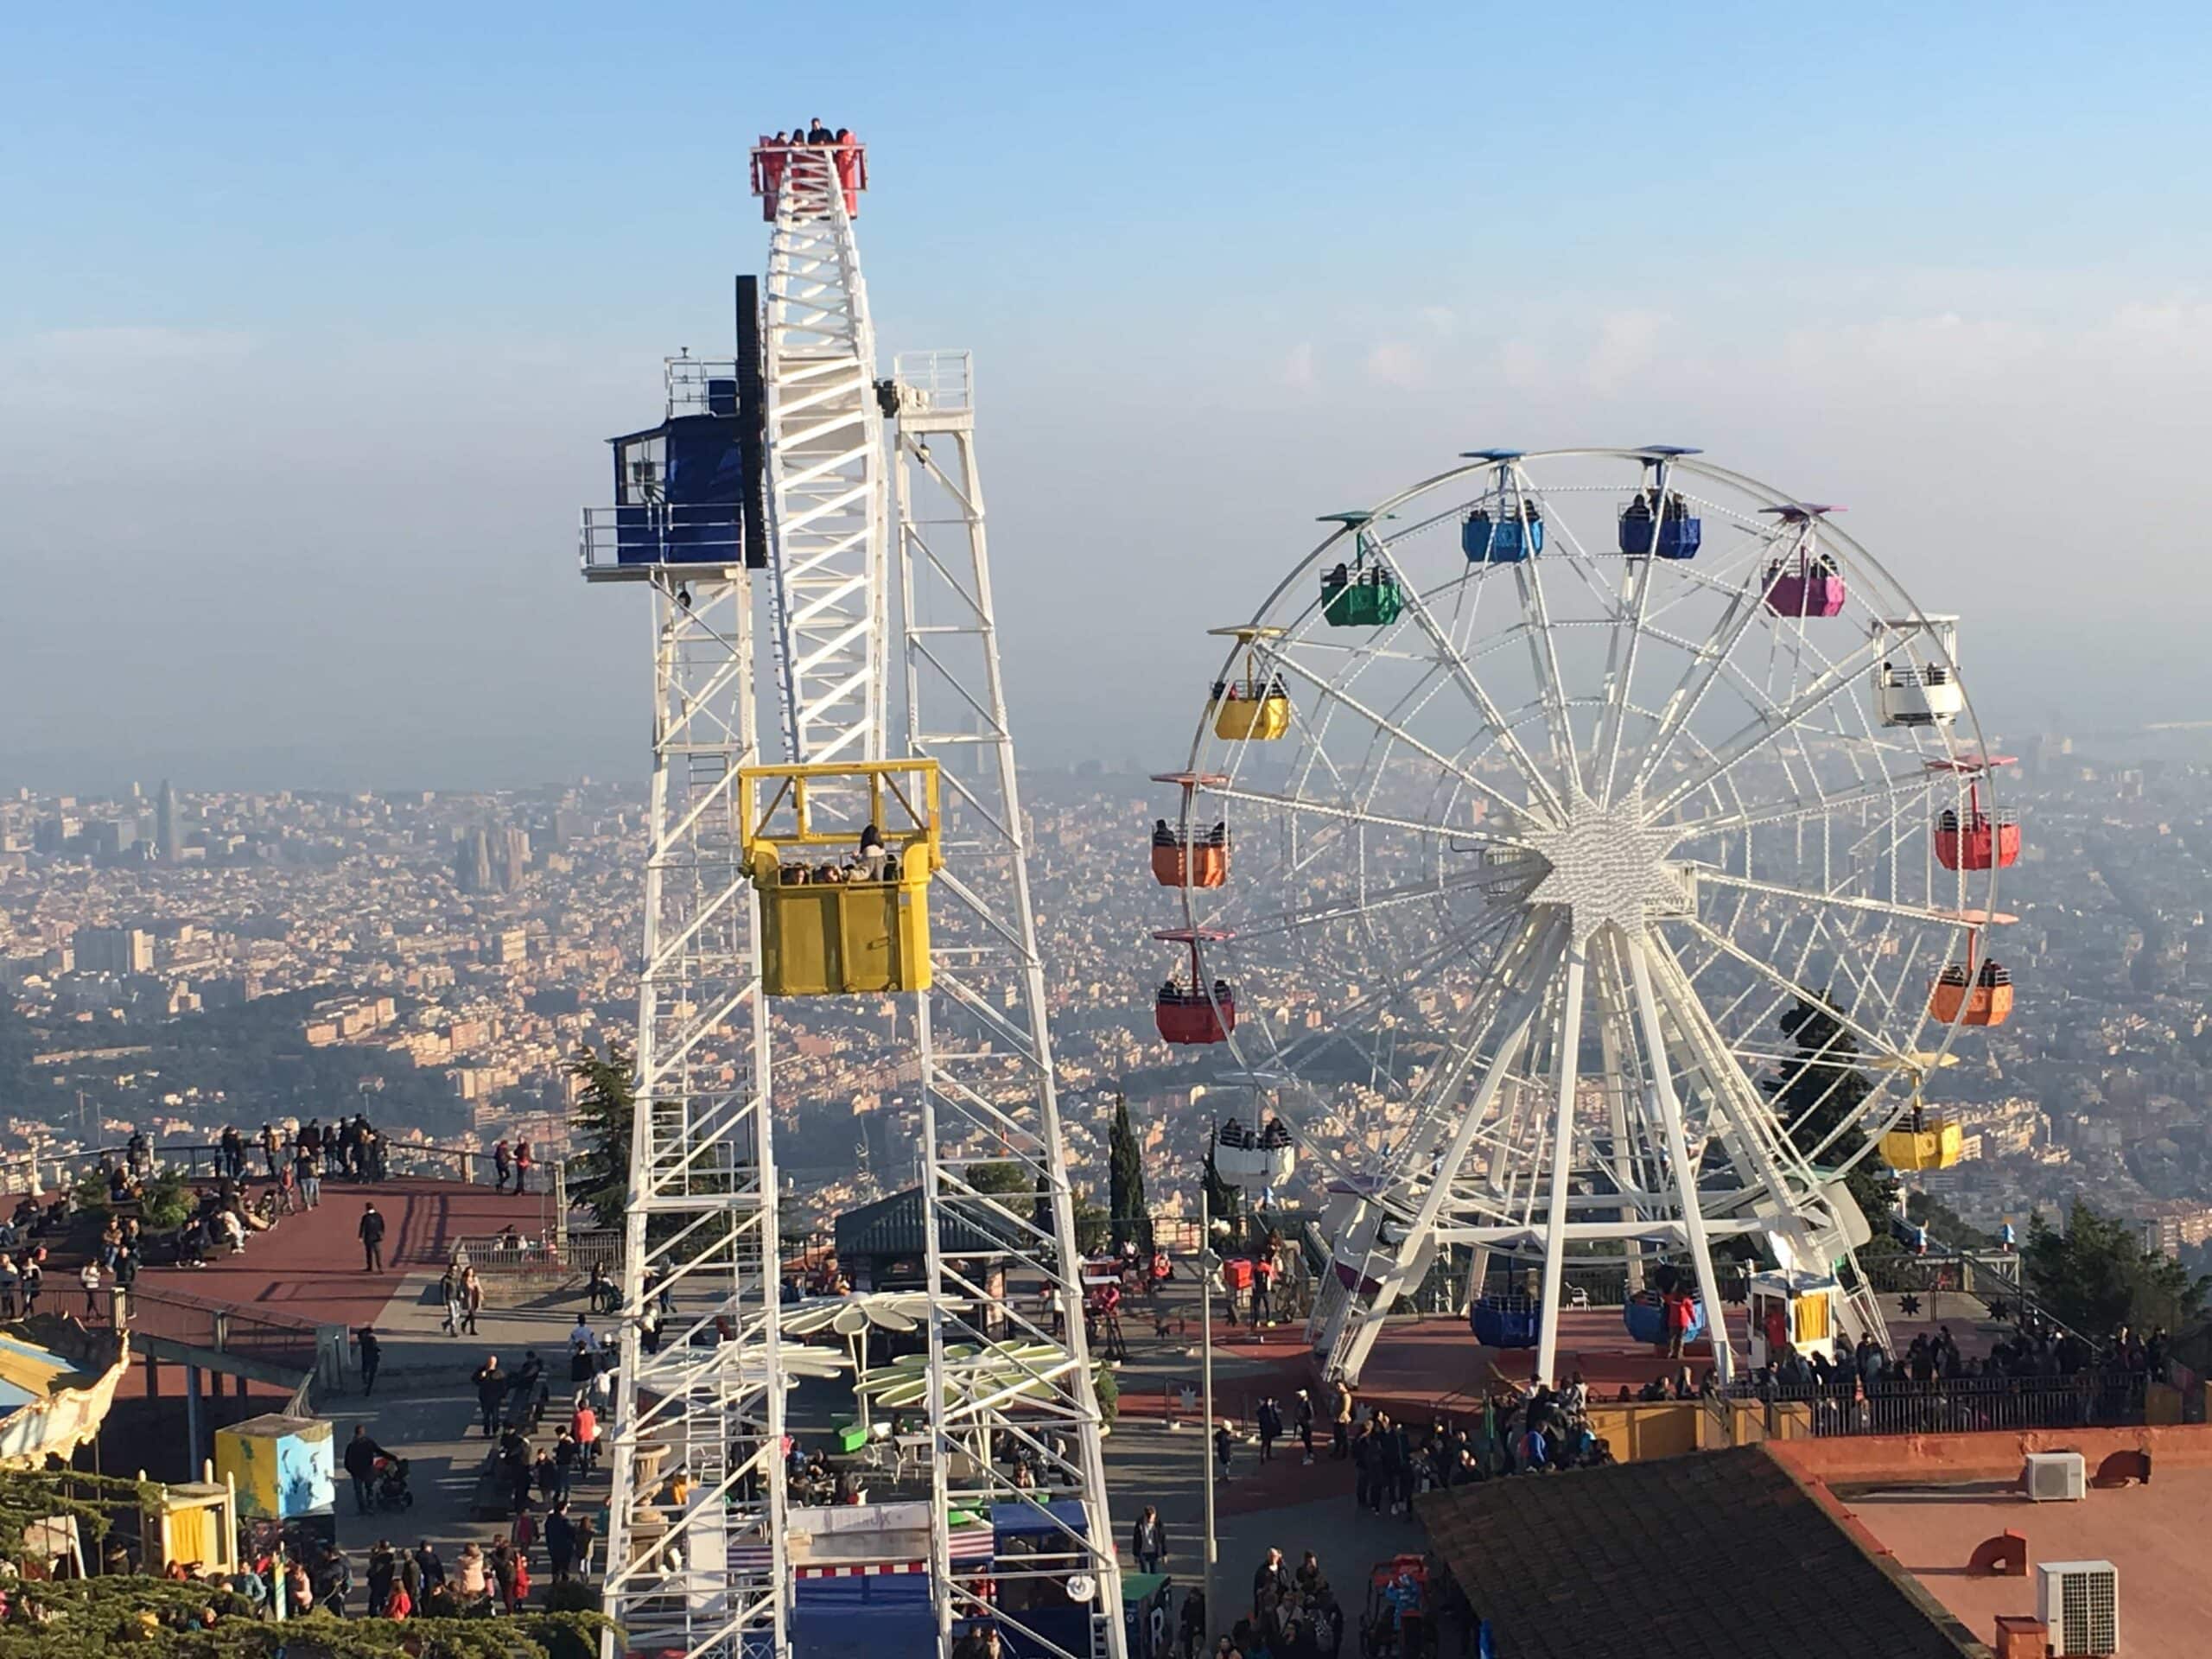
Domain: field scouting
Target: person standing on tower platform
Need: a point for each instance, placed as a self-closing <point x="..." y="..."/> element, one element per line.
<point x="371" y="1231"/>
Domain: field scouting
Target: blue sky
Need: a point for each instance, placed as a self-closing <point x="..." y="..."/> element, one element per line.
<point x="311" y="322"/>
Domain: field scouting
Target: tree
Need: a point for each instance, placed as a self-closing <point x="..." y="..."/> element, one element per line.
<point x="607" y="1110"/>
<point x="1092" y="1224"/>
<point x="998" y="1178"/>
<point x="1822" y="1091"/>
<point x="2097" y="1276"/>
<point x="1132" y="1217"/>
<point x="1224" y="1202"/>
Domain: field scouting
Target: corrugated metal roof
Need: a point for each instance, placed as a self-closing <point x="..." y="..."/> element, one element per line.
<point x="892" y="1226"/>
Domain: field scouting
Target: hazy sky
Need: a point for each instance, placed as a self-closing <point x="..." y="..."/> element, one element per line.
<point x="311" y="327"/>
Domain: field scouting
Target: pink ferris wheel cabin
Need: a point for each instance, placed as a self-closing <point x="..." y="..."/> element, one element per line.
<point x="1806" y="583"/>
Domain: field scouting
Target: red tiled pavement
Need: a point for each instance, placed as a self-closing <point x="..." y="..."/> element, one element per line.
<point x="310" y="1266"/>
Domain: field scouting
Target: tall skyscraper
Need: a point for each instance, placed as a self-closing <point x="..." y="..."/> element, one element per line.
<point x="472" y="861"/>
<point x="510" y="856"/>
<point x="114" y="950"/>
<point x="169" y="834"/>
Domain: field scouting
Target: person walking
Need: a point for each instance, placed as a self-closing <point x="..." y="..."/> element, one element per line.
<point x="491" y="1392"/>
<point x="1302" y="1416"/>
<point x="371" y="1231"/>
<point x="361" y="1455"/>
<point x="583" y="1424"/>
<point x="449" y="1293"/>
<point x="522" y="1164"/>
<point x="567" y="1456"/>
<point x="1340" y="1422"/>
<point x="560" y="1541"/>
<point x="1224" y="1442"/>
<point x="333" y="1580"/>
<point x="502" y="1167"/>
<point x="471" y="1299"/>
<point x="1148" y="1540"/>
<point x="372" y="1356"/>
<point x="384" y="1574"/>
<point x="1270" y="1582"/>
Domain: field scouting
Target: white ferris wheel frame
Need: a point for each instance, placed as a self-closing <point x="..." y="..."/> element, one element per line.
<point x="1407" y="1197"/>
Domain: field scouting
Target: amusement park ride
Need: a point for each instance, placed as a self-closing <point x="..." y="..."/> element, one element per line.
<point x="1590" y="854"/>
<point x="875" y="859"/>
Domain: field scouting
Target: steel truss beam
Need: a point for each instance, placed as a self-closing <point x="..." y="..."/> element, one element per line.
<point x="706" y="1577"/>
<point x="988" y="1094"/>
<point x="825" y="470"/>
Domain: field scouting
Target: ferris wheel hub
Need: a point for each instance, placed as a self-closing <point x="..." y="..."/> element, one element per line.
<point x="1607" y="865"/>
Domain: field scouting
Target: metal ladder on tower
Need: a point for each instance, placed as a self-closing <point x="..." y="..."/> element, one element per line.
<point x="827" y="515"/>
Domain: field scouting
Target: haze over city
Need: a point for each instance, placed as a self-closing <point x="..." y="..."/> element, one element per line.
<point x="311" y="329"/>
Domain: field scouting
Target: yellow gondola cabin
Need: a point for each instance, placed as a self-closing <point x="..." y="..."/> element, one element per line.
<point x="841" y="858"/>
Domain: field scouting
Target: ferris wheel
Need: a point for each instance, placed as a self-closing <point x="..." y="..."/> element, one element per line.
<point x="1585" y="857"/>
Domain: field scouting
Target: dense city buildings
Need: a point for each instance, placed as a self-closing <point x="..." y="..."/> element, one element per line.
<point x="201" y="960"/>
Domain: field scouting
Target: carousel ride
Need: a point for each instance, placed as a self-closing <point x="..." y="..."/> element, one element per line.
<point x="1588" y="856"/>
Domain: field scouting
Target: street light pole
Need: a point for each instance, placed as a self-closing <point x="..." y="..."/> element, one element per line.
<point x="1206" y="1368"/>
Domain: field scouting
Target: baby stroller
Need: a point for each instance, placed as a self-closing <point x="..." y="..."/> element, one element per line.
<point x="391" y="1491"/>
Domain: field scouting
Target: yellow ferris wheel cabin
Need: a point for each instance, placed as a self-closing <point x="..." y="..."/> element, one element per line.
<point x="841" y="858"/>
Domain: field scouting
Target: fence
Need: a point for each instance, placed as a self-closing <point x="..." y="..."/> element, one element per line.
<point x="510" y="1260"/>
<point x="1967" y="1404"/>
<point x="273" y="1339"/>
<point x="201" y="1160"/>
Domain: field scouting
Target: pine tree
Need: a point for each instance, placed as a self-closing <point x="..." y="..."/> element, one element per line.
<point x="1132" y="1215"/>
<point x="1824" y="1089"/>
<point x="1224" y="1202"/>
<point x="2097" y="1276"/>
<point x="599" y="1175"/>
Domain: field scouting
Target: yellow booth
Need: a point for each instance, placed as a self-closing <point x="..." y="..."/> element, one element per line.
<point x="841" y="858"/>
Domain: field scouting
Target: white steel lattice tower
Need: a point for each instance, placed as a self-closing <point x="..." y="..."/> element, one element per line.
<point x="1005" y="1276"/>
<point x="699" y="1241"/>
<point x="825" y="465"/>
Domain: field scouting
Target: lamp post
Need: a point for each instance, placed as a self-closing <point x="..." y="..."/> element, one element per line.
<point x="1205" y="1371"/>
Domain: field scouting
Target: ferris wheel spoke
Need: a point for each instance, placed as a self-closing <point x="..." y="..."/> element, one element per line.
<point x="1463" y="675"/>
<point x="1345" y="815"/>
<point x="1769" y="724"/>
<point x="1766" y="1158"/>
<point x="1475" y="933"/>
<point x="1620" y="671"/>
<point x="1887" y="787"/>
<point x="1707" y="660"/>
<point x="1710" y="875"/>
<point x="1791" y="986"/>
<point x="1384" y="725"/>
<point x="1320" y="915"/>
<point x="1544" y="651"/>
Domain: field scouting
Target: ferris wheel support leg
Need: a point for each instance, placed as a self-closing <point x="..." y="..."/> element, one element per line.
<point x="1616" y="1041"/>
<point x="1364" y="1310"/>
<point x="1570" y="1050"/>
<point x="1678" y="1156"/>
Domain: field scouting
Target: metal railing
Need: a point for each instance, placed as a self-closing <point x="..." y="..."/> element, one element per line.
<point x="1965" y="1405"/>
<point x="203" y="1161"/>
<point x="934" y="383"/>
<point x="511" y="1256"/>
<point x="641" y="537"/>
<point x="269" y="1339"/>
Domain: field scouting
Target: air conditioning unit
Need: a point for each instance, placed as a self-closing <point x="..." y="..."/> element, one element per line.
<point x="2056" y="1478"/>
<point x="2079" y="1604"/>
